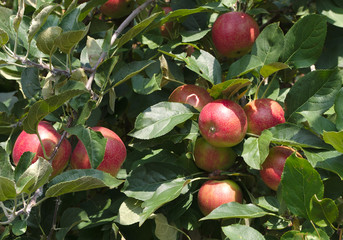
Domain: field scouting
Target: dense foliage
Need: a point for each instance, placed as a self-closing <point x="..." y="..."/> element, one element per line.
<point x="66" y="63"/>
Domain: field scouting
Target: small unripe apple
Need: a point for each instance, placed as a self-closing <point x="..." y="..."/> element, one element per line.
<point x="211" y="158"/>
<point x="190" y="94"/>
<point x="115" y="153"/>
<point x="262" y="114"/>
<point x="214" y="193"/>
<point x="117" y="8"/>
<point x="50" y="137"/>
<point x="272" y="167"/>
<point x="234" y="33"/>
<point x="223" y="123"/>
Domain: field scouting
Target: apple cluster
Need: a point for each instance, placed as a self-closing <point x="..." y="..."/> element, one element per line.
<point x="223" y="124"/>
<point x="115" y="150"/>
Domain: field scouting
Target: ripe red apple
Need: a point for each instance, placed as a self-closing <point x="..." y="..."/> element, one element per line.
<point x="167" y="28"/>
<point x="190" y="94"/>
<point x="211" y="158"/>
<point x="263" y="114"/>
<point x="234" y="33"/>
<point x="272" y="167"/>
<point x="214" y="193"/>
<point x="115" y="153"/>
<point x="223" y="123"/>
<point x="117" y="8"/>
<point x="50" y="137"/>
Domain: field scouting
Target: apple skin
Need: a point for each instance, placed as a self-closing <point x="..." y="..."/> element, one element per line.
<point x="262" y="114"/>
<point x="211" y="158"/>
<point x="234" y="33"/>
<point x="223" y="123"/>
<point x="117" y="8"/>
<point x="115" y="153"/>
<point x="214" y="193"/>
<point x="50" y="137"/>
<point x="272" y="167"/>
<point x="190" y="94"/>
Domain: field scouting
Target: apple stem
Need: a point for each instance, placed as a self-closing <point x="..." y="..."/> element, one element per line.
<point x="269" y="84"/>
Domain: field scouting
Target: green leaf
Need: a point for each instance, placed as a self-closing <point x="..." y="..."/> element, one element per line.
<point x="30" y="82"/>
<point x="144" y="180"/>
<point x="80" y="180"/>
<point x="3" y="37"/>
<point x="164" y="193"/>
<point x="236" y="210"/>
<point x="7" y="189"/>
<point x="192" y="36"/>
<point x="304" y="41"/>
<point x="160" y="119"/>
<point x="145" y="86"/>
<point x="229" y="87"/>
<point x="104" y="71"/>
<point x="206" y="65"/>
<point x="129" y="212"/>
<point x="291" y="134"/>
<point x="335" y="139"/>
<point x="271" y="68"/>
<point x="34" y="177"/>
<point x="328" y="160"/>
<point x="71" y="217"/>
<point x="23" y="164"/>
<point x="305" y="234"/>
<point x="268" y="202"/>
<point x="86" y="112"/>
<point x="19" y="227"/>
<point x="339" y="110"/>
<point x="163" y="230"/>
<point x="39" y="18"/>
<point x="46" y="39"/>
<point x="94" y="51"/>
<point x="323" y="212"/>
<point x="6" y="166"/>
<point x="238" y="232"/>
<point x="134" y="31"/>
<point x="43" y="107"/>
<point x="256" y="150"/>
<point x="299" y="182"/>
<point x="243" y="66"/>
<point x="269" y="44"/>
<point x="318" y="123"/>
<point x="315" y="92"/>
<point x="333" y="13"/>
<point x="129" y="70"/>
<point x="66" y="41"/>
<point x="93" y="141"/>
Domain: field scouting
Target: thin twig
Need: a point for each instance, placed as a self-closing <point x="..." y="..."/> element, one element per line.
<point x="122" y="26"/>
<point x="54" y="220"/>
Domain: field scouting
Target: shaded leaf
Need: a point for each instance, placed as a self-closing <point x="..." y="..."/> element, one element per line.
<point x="229" y="87"/>
<point x="299" y="182"/>
<point x="305" y="41"/>
<point x="6" y="166"/>
<point x="3" y="37"/>
<point x="238" y="232"/>
<point x="7" y="189"/>
<point x="192" y="36"/>
<point x="323" y="212"/>
<point x="333" y="13"/>
<point x="23" y="164"/>
<point x="243" y="66"/>
<point x="66" y="41"/>
<point x="163" y="230"/>
<point x="271" y="68"/>
<point x="80" y="180"/>
<point x="339" y="110"/>
<point x="43" y="107"/>
<point x="46" y="39"/>
<point x="30" y="82"/>
<point x="129" y="212"/>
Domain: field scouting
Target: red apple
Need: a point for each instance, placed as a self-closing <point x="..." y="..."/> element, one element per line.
<point x="167" y="27"/>
<point x="190" y="94"/>
<point x="214" y="193"/>
<point x="272" y="167"/>
<point x="263" y="114"/>
<point x="234" y="33"/>
<point x="50" y="137"/>
<point x="211" y="158"/>
<point x="223" y="123"/>
<point x="115" y="153"/>
<point x="117" y="8"/>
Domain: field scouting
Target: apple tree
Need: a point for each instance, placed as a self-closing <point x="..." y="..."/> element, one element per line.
<point x="86" y="65"/>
